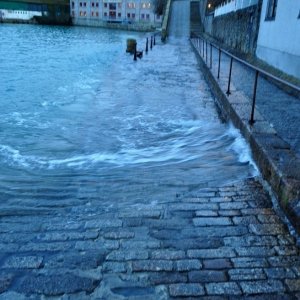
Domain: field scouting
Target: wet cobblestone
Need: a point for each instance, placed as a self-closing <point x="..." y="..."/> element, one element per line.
<point x="249" y="254"/>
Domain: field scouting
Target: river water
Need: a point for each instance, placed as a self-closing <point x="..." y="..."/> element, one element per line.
<point x="82" y="123"/>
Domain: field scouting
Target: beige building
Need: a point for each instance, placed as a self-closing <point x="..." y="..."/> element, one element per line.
<point x="138" y="13"/>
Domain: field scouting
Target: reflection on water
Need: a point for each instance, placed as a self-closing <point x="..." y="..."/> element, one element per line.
<point x="80" y="119"/>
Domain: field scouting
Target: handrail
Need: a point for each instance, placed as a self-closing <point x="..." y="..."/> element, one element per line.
<point x="257" y="70"/>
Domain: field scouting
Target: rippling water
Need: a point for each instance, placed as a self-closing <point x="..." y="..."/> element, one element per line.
<point x="80" y="120"/>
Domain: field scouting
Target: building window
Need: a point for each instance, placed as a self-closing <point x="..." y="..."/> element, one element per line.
<point x="105" y="14"/>
<point x="97" y="14"/>
<point x="119" y="5"/>
<point x="112" y="6"/>
<point x="80" y="4"/>
<point x="92" y="13"/>
<point x="105" y="5"/>
<point x="93" y="4"/>
<point x="299" y="15"/>
<point x="73" y="13"/>
<point x="143" y="16"/>
<point x="119" y="15"/>
<point x="84" y="4"/>
<point x="271" y="10"/>
<point x="128" y="16"/>
<point x="146" y="5"/>
<point x="133" y="16"/>
<point x="73" y="4"/>
<point x="97" y="4"/>
<point x="131" y="5"/>
<point x="147" y="16"/>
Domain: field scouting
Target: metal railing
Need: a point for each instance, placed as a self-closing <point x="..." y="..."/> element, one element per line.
<point x="203" y="44"/>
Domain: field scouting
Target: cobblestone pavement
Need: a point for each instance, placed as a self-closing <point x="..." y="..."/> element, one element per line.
<point x="223" y="242"/>
<point x="279" y="108"/>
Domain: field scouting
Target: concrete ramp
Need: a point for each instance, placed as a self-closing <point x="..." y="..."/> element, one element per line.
<point x="179" y="26"/>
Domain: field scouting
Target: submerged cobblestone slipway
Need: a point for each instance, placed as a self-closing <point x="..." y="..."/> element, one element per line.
<point x="119" y="181"/>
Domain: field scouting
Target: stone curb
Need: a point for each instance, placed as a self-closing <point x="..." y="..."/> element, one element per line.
<point x="278" y="164"/>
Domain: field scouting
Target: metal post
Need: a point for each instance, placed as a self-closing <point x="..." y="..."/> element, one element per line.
<point x="147" y="45"/>
<point x="206" y="51"/>
<point x="210" y="55"/>
<point x="203" y="48"/>
<point x="154" y="40"/>
<point x="151" y="42"/>
<point x="134" y="55"/>
<point x="251" y="121"/>
<point x="219" y="65"/>
<point x="229" y="79"/>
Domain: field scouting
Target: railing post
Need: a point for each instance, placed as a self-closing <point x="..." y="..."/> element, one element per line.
<point x="229" y="79"/>
<point x="151" y="42"/>
<point x="206" y="51"/>
<point x="203" y="48"/>
<point x="154" y="40"/>
<point x="219" y="64"/>
<point x="210" y="55"/>
<point x="147" y="45"/>
<point x="251" y="121"/>
<point x="134" y="55"/>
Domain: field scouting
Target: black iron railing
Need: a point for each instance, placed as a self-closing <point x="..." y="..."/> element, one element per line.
<point x="202" y="45"/>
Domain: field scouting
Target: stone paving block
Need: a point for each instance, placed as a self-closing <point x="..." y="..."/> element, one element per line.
<point x="265" y="229"/>
<point x="279" y="273"/>
<point x="211" y="253"/>
<point x="132" y="222"/>
<point x="206" y="213"/>
<point x="257" y="211"/>
<point x="293" y="284"/>
<point x="246" y="274"/>
<point x="55" y="285"/>
<point x="255" y="251"/>
<point x="152" y="265"/>
<point x="287" y="250"/>
<point x="196" y="200"/>
<point x="225" y="288"/>
<point x="262" y="286"/>
<point x="146" y="244"/>
<point x="229" y="213"/>
<point x="195" y="243"/>
<point x="245" y="220"/>
<point x="251" y="240"/>
<point x="114" y="267"/>
<point x="234" y="205"/>
<point x="167" y="254"/>
<point x="187" y="265"/>
<point x="99" y="224"/>
<point x="249" y="262"/>
<point x="268" y="219"/>
<point x="50" y="247"/>
<point x="159" y="278"/>
<point x="5" y="282"/>
<point x="194" y="206"/>
<point x="219" y="231"/>
<point x="116" y="235"/>
<point x="100" y="244"/>
<point x="284" y="261"/>
<point x="120" y="255"/>
<point x="217" y="264"/>
<point x="207" y="276"/>
<point x="65" y="236"/>
<point x="218" y="221"/>
<point x="140" y="214"/>
<point x="286" y="240"/>
<point x="23" y="262"/>
<point x="185" y="290"/>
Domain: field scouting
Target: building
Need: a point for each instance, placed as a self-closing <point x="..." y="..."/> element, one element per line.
<point x="35" y="11"/>
<point x="132" y="14"/>
<point x="278" y="41"/>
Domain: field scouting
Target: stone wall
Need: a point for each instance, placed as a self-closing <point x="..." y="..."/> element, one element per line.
<point x="238" y="30"/>
<point x="122" y="26"/>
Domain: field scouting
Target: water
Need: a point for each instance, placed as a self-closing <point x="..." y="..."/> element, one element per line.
<point x="81" y="124"/>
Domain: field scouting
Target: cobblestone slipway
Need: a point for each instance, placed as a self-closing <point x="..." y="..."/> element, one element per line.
<point x="216" y="243"/>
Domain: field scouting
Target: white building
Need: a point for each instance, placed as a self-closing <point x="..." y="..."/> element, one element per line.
<point x="229" y="6"/>
<point x="18" y="15"/>
<point x="138" y="13"/>
<point x="279" y="35"/>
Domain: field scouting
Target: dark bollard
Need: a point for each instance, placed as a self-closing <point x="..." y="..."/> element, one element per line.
<point x="147" y="45"/>
<point x="151" y="43"/>
<point x="134" y="55"/>
<point x="154" y="40"/>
